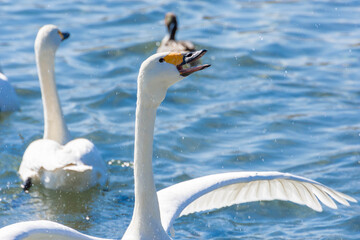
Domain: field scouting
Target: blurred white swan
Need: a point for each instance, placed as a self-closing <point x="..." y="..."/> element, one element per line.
<point x="8" y="98"/>
<point x="154" y="212"/>
<point x="57" y="161"/>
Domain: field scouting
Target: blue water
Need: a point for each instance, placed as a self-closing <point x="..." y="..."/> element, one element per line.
<point x="283" y="94"/>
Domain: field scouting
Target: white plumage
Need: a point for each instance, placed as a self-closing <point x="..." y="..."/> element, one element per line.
<point x="75" y="166"/>
<point x="154" y="213"/>
<point x="42" y="230"/>
<point x="201" y="194"/>
<point x="57" y="161"/>
<point x="226" y="189"/>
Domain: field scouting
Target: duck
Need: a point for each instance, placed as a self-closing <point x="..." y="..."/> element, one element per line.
<point x="169" y="43"/>
<point x="9" y="101"/>
<point x="57" y="161"/>
<point x="154" y="212"/>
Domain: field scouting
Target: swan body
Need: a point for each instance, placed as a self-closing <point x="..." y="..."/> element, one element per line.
<point x="169" y="43"/>
<point x="75" y="166"/>
<point x="8" y="98"/>
<point x="201" y="194"/>
<point x="155" y="212"/>
<point x="57" y="161"/>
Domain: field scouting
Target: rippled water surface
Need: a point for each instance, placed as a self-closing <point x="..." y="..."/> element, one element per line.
<point x="283" y="94"/>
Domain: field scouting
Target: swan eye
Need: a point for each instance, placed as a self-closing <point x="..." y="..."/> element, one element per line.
<point x="161" y="60"/>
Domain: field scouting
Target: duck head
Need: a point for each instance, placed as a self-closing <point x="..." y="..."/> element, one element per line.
<point x="171" y="24"/>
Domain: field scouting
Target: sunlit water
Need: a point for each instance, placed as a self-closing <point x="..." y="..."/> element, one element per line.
<point x="283" y="93"/>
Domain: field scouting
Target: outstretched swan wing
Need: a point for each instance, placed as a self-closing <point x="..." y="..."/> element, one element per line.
<point x="42" y="230"/>
<point x="221" y="190"/>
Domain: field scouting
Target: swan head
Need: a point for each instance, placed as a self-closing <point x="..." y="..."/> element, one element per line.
<point x="49" y="38"/>
<point x="162" y="70"/>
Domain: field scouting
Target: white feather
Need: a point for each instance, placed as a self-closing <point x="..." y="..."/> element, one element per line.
<point x="154" y="213"/>
<point x="75" y="166"/>
<point x="57" y="161"/>
<point x="42" y="230"/>
<point x="221" y="190"/>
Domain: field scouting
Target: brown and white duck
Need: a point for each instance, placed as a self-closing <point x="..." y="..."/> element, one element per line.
<point x="169" y="43"/>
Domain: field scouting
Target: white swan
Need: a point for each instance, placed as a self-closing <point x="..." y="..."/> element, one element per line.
<point x="57" y="161"/>
<point x="8" y="98"/>
<point x="154" y="212"/>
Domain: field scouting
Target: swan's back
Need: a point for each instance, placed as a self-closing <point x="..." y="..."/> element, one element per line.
<point x="76" y="166"/>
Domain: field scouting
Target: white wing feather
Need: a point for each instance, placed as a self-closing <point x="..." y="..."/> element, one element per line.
<point x="221" y="190"/>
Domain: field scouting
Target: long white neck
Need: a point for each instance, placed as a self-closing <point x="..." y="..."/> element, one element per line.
<point x="146" y="222"/>
<point x="54" y="124"/>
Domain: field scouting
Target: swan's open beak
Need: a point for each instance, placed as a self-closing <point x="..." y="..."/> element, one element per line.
<point x="191" y="57"/>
